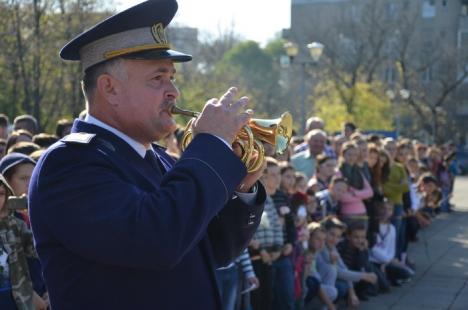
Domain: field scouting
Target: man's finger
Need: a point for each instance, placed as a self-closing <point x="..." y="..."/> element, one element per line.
<point x="226" y="99"/>
<point x="240" y="104"/>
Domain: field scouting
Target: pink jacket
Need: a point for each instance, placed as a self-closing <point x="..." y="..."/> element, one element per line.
<point x="352" y="203"/>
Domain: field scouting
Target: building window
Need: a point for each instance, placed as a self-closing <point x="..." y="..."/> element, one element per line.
<point x="428" y="9"/>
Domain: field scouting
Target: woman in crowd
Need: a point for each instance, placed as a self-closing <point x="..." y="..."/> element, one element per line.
<point x="352" y="207"/>
<point x="394" y="188"/>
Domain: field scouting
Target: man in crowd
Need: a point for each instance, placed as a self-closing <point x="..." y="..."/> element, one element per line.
<point x="117" y="224"/>
<point x="26" y="122"/>
<point x="305" y="161"/>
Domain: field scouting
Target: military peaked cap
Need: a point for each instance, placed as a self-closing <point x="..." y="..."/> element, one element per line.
<point x="135" y="33"/>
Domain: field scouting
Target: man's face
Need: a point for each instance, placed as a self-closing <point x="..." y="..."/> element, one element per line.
<point x="348" y="131"/>
<point x="146" y="98"/>
<point x="316" y="144"/>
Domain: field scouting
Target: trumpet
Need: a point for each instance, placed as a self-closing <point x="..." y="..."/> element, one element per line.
<point x="251" y="137"/>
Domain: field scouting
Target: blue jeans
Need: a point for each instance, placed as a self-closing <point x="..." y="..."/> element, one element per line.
<point x="400" y="228"/>
<point x="283" y="284"/>
<point x="342" y="288"/>
<point x="445" y="205"/>
<point x="228" y="280"/>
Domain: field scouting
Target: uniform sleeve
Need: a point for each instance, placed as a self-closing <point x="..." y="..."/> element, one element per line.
<point x="231" y="230"/>
<point x="92" y="208"/>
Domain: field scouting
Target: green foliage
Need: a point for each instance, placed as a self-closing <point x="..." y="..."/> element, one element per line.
<point x="371" y="108"/>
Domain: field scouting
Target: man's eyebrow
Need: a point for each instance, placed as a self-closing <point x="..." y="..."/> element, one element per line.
<point x="164" y="70"/>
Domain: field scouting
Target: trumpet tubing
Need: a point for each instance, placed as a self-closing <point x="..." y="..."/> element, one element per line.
<point x="251" y="137"/>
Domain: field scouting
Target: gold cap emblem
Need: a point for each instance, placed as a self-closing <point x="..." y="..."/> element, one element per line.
<point x="158" y="34"/>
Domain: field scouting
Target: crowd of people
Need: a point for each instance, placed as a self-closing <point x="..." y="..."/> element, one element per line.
<point x="340" y="214"/>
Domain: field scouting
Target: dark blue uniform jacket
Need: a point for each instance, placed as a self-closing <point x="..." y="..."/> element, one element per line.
<point x="113" y="233"/>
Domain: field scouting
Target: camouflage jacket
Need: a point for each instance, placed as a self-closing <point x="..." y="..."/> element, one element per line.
<point x="16" y="240"/>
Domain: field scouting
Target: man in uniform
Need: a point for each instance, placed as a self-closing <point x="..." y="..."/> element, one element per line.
<point x="117" y="224"/>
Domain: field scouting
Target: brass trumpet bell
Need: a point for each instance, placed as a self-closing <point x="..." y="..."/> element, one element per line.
<point x="276" y="132"/>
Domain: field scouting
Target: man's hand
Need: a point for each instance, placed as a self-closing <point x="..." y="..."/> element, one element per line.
<point x="222" y="117"/>
<point x="251" y="178"/>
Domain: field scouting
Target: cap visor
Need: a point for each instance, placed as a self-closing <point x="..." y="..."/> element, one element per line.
<point x="160" y="54"/>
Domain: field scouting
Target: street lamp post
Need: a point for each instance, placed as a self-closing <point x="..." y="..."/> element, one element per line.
<point x="315" y="52"/>
<point x="403" y="94"/>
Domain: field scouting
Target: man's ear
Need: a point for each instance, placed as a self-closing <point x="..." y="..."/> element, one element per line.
<point x="109" y="88"/>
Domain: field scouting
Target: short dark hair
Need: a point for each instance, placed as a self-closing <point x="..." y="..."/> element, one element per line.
<point x="350" y="125"/>
<point x="4" y="120"/>
<point x="61" y="125"/>
<point x="31" y="122"/>
<point x="331" y="222"/>
<point x="356" y="225"/>
<point x="428" y="178"/>
<point x="92" y="73"/>
<point x="337" y="179"/>
<point x="44" y="140"/>
<point x="286" y="167"/>
<point x="24" y="147"/>
<point x="13" y="138"/>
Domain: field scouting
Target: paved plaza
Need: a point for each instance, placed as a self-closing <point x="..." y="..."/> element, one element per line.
<point x="441" y="257"/>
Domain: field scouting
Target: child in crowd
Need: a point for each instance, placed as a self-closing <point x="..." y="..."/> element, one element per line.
<point x="320" y="287"/>
<point x="382" y="254"/>
<point x="430" y="194"/>
<point x="329" y="258"/>
<point x="17" y="169"/>
<point x="266" y="244"/>
<point x="329" y="200"/>
<point x="353" y="250"/>
<point x="16" y="244"/>
<point x="300" y="184"/>
<point x="326" y="166"/>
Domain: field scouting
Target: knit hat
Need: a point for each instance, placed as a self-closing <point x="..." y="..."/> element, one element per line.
<point x="11" y="160"/>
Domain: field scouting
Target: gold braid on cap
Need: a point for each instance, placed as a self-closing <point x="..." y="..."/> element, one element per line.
<point x="159" y="35"/>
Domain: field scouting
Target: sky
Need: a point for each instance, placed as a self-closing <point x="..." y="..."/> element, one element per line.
<point x="257" y="20"/>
